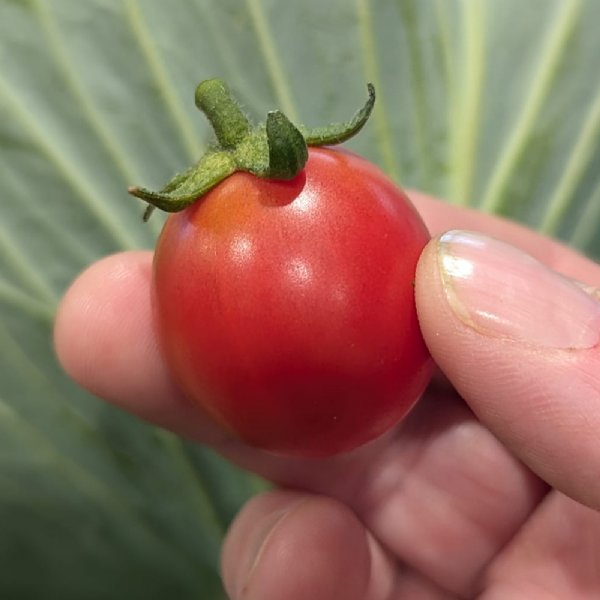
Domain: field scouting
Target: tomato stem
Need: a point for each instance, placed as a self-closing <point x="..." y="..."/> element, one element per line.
<point x="276" y="149"/>
<point x="230" y="124"/>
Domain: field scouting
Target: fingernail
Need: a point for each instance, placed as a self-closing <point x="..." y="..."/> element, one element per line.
<point x="501" y="291"/>
<point x="252" y="553"/>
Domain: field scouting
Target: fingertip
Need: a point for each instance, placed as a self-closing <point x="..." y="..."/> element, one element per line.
<point x="105" y="340"/>
<point x="439" y="326"/>
<point x="248" y="532"/>
<point x="296" y="546"/>
<point x="106" y="305"/>
<point x="519" y="342"/>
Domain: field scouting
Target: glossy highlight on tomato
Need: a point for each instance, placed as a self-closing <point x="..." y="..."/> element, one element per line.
<point x="286" y="308"/>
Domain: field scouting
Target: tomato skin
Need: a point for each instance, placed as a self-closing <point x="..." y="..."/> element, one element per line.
<point x="286" y="308"/>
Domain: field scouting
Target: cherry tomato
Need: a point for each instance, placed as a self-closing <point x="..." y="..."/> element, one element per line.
<point x="286" y="308"/>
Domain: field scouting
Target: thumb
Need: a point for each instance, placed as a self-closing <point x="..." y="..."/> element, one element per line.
<point x="519" y="342"/>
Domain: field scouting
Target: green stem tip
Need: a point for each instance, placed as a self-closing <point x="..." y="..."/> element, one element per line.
<point x="276" y="149"/>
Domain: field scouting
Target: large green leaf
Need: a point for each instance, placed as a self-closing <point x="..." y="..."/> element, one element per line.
<point x="488" y="103"/>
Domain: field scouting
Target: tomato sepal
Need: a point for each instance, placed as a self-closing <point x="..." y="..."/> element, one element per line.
<point x="276" y="149"/>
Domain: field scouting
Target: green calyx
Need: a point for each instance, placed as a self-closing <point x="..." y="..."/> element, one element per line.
<point x="276" y="149"/>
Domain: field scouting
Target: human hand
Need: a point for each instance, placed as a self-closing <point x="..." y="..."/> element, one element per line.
<point x="489" y="489"/>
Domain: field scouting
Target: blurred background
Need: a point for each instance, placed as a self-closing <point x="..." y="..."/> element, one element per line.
<point x="493" y="104"/>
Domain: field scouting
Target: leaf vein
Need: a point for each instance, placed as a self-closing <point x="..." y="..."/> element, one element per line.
<point x="371" y="67"/>
<point x="159" y="72"/>
<point x="550" y="55"/>
<point x="271" y="56"/>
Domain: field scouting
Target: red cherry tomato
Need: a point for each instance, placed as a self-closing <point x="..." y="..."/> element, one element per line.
<point x="286" y="308"/>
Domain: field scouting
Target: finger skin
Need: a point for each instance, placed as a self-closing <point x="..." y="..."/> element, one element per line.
<point x="555" y="555"/>
<point x="542" y="403"/>
<point x="284" y="545"/>
<point x="446" y="496"/>
<point x="298" y="546"/>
